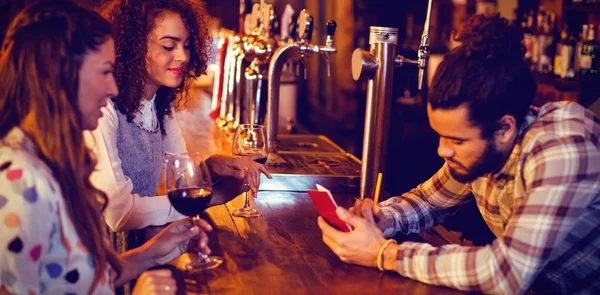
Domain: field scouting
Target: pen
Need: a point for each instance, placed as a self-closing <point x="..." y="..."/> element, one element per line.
<point x="377" y="188"/>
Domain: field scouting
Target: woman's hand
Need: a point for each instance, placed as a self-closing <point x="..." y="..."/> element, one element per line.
<point x="158" y="281"/>
<point x="240" y="167"/>
<point x="173" y="241"/>
<point x="359" y="246"/>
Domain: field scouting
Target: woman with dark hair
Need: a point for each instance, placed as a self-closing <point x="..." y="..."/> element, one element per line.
<point x="56" y="73"/>
<point x="161" y="47"/>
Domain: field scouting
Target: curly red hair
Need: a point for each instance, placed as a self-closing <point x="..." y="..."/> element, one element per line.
<point x="133" y="20"/>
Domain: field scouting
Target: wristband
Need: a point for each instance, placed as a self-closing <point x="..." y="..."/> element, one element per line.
<point x="380" y="253"/>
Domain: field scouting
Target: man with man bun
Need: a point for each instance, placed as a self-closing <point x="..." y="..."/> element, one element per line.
<point x="534" y="174"/>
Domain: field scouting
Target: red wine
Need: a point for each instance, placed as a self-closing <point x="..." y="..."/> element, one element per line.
<point x="190" y="201"/>
<point x="261" y="160"/>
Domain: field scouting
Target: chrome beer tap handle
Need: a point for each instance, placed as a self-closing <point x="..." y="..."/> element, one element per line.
<point x="327" y="59"/>
<point x="331" y="26"/>
<point x="424" y="48"/>
<point x="309" y="28"/>
<point x="267" y="19"/>
<point x="305" y="27"/>
<point x="400" y="61"/>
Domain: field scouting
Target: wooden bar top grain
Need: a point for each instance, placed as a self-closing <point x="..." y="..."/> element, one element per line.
<point x="282" y="251"/>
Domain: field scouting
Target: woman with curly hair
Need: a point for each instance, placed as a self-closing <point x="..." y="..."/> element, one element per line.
<point x="55" y="76"/>
<point x="161" y="47"/>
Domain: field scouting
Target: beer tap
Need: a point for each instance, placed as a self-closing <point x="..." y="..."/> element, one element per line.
<point x="287" y="33"/>
<point x="300" y="48"/>
<point x="217" y="94"/>
<point x="258" y="53"/>
<point x="305" y="29"/>
<point x="245" y="57"/>
<point x="377" y="65"/>
<point x="228" y="79"/>
<point x="331" y="26"/>
<point x="229" y="111"/>
<point x="286" y="19"/>
<point x="424" y="48"/>
<point x="250" y="56"/>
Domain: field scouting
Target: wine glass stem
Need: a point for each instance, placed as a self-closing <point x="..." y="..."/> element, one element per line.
<point x="247" y="201"/>
<point x="203" y="257"/>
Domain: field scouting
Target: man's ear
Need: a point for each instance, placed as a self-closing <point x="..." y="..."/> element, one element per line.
<point x="508" y="129"/>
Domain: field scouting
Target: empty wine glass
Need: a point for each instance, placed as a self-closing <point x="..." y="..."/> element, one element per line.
<point x="249" y="140"/>
<point x="189" y="188"/>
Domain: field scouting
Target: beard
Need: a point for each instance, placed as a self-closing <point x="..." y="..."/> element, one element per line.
<point x="486" y="163"/>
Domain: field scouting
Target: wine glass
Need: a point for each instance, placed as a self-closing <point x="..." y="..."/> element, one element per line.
<point x="189" y="188"/>
<point x="249" y="139"/>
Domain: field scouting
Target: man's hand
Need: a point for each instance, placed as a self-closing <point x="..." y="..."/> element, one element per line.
<point x="240" y="167"/>
<point x="359" y="246"/>
<point x="173" y="240"/>
<point x="365" y="208"/>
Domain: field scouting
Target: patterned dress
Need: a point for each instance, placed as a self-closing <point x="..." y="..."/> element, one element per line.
<point x="40" y="251"/>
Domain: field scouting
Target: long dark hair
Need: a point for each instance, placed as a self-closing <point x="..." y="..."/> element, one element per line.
<point x="487" y="72"/>
<point x="39" y="77"/>
<point x="133" y="21"/>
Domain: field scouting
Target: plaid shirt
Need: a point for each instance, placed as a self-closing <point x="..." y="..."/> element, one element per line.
<point x="543" y="206"/>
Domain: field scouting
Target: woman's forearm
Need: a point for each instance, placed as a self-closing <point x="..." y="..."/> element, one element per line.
<point x="134" y="262"/>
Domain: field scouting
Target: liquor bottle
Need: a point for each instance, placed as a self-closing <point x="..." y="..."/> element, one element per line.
<point x="558" y="69"/>
<point x="545" y="47"/>
<point x="567" y="57"/>
<point x="578" y="48"/>
<point x="589" y="78"/>
<point x="528" y="39"/>
<point x="535" y="41"/>
<point x="590" y="55"/>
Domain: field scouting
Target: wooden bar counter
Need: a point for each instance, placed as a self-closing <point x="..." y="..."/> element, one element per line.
<point x="282" y="251"/>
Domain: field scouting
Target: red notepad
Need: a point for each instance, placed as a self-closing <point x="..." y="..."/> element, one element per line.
<point x="326" y="206"/>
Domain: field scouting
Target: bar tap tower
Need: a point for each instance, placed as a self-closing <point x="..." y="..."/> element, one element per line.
<point x="258" y="53"/>
<point x="293" y="49"/>
<point x="377" y="65"/>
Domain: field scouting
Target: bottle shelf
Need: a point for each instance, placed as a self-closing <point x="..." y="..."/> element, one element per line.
<point x="583" y="7"/>
<point x="566" y="85"/>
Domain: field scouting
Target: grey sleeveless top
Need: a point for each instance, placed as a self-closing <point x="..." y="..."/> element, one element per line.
<point x="142" y="156"/>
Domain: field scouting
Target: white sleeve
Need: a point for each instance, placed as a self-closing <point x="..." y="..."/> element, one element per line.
<point x="125" y="211"/>
<point x="174" y="141"/>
